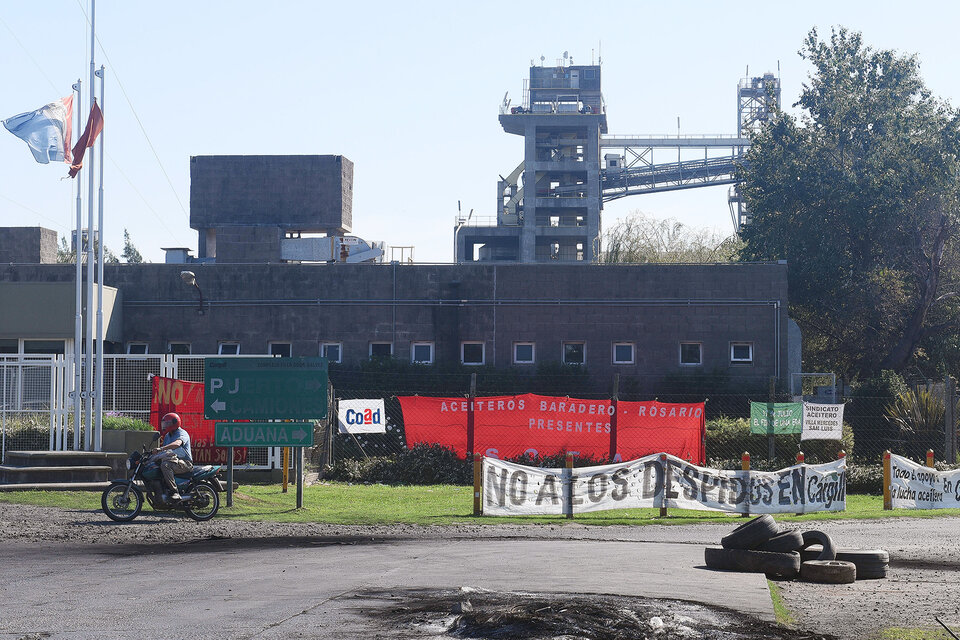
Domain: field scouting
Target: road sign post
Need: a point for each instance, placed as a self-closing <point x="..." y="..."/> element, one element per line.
<point x="265" y="389"/>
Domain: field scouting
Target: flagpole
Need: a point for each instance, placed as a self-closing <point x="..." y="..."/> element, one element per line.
<point x="98" y="437"/>
<point x="78" y="318"/>
<point x="92" y="238"/>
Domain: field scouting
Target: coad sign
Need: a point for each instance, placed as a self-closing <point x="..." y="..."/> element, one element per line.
<point x="362" y="416"/>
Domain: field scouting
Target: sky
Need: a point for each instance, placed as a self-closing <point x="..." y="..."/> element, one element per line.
<point x="409" y="92"/>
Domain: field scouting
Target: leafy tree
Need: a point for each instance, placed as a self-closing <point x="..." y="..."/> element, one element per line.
<point x="639" y="238"/>
<point x="130" y="254"/>
<point x="65" y="254"/>
<point x="859" y="194"/>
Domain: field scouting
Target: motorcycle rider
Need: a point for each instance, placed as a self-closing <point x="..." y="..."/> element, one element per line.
<point x="174" y="454"/>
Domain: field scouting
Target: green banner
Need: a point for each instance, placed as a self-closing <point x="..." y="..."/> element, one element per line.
<point x="776" y="417"/>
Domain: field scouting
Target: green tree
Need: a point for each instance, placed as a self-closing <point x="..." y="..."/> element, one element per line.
<point x="859" y="194"/>
<point x="65" y="254"/>
<point x="130" y="254"/>
<point x="639" y="238"/>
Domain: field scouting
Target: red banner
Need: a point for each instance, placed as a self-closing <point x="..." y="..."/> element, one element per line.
<point x="509" y="426"/>
<point x="186" y="399"/>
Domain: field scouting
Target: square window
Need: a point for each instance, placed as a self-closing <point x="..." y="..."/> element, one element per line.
<point x="741" y="352"/>
<point x="228" y="348"/>
<point x="9" y="345"/>
<point x="280" y="349"/>
<point x="179" y="348"/>
<point x="691" y="353"/>
<point x="381" y="349"/>
<point x="332" y="351"/>
<point x="574" y="352"/>
<point x="471" y="353"/>
<point x="137" y="348"/>
<point x="421" y="352"/>
<point x="622" y="353"/>
<point x="523" y="352"/>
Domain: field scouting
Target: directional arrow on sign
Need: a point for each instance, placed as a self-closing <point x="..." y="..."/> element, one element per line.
<point x="299" y="434"/>
<point x="218" y="406"/>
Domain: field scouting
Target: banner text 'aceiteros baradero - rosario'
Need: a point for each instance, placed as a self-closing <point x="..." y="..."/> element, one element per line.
<point x="510" y="426"/>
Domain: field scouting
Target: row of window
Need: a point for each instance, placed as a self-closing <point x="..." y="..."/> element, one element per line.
<point x="474" y="352"/>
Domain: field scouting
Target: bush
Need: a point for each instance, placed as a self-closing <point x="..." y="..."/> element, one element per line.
<point x="125" y="423"/>
<point x="423" y="464"/>
<point x="728" y="438"/>
<point x="865" y="478"/>
<point x="866" y="413"/>
<point x="31" y="438"/>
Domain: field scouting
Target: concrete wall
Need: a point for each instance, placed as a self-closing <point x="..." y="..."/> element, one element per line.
<point x="28" y="245"/>
<point x="653" y="306"/>
<point x="307" y="193"/>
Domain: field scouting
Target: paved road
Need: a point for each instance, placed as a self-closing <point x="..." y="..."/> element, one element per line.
<point x="319" y="587"/>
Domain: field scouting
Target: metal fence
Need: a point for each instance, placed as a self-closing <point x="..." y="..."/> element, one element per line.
<point x="869" y="426"/>
<point x="36" y="409"/>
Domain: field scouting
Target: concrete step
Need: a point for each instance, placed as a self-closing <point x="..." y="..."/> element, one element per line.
<point x="55" y="486"/>
<point x="116" y="461"/>
<point x="32" y="475"/>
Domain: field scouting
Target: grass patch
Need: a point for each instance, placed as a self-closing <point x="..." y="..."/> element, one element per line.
<point x="784" y="616"/>
<point x="341" y="503"/>
<point x="913" y="633"/>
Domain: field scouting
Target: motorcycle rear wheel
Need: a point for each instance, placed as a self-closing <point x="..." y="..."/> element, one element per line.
<point x="119" y="508"/>
<point x="203" y="504"/>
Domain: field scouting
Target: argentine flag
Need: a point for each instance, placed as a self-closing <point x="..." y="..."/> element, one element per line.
<point x="47" y="131"/>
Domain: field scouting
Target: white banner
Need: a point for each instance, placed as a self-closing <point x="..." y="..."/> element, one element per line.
<point x="362" y="416"/>
<point x="822" y="421"/>
<point x="802" y="488"/>
<point x="513" y="489"/>
<point x="915" y="486"/>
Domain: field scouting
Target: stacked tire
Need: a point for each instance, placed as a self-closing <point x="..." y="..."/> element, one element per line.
<point x="741" y="550"/>
<point x="760" y="546"/>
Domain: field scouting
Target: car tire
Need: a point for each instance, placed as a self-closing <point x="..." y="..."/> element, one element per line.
<point x="783" y="542"/>
<point x="871" y="564"/>
<point x="752" y="534"/>
<point x="829" y="550"/>
<point x="785" y="565"/>
<point x="828" y="571"/>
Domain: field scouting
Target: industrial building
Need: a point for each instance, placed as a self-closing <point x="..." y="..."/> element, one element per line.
<point x="275" y="272"/>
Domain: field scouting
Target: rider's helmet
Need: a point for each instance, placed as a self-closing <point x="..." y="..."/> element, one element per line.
<point x="169" y="423"/>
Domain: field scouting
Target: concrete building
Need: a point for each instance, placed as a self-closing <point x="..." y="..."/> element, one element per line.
<point x="651" y="321"/>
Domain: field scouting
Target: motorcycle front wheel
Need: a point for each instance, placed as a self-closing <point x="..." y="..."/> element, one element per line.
<point x="121" y="505"/>
<point x="203" y="504"/>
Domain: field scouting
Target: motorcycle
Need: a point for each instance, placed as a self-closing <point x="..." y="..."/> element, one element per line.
<point x="199" y="490"/>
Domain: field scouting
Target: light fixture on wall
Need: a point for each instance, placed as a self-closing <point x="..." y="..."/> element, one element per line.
<point x="189" y="278"/>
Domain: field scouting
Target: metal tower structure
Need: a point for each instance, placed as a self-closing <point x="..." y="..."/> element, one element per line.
<point x="757" y="99"/>
<point x="549" y="206"/>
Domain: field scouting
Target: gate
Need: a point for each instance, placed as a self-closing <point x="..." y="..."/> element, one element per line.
<point x="37" y="392"/>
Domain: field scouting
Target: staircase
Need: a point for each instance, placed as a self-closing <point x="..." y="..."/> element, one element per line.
<point x="61" y="470"/>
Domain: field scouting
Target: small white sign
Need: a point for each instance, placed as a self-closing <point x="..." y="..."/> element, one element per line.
<point x="822" y="422"/>
<point x="362" y="416"/>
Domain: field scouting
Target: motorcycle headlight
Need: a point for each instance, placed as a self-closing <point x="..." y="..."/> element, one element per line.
<point x="128" y="464"/>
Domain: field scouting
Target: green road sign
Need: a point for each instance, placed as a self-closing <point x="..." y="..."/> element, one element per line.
<point x="263" y="434"/>
<point x="265" y="388"/>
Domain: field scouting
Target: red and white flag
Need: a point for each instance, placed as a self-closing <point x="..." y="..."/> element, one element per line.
<point x="89" y="136"/>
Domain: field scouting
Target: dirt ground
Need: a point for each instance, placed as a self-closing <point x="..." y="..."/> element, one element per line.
<point x="921" y="584"/>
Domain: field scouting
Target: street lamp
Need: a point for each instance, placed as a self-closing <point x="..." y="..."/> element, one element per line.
<point x="190" y="279"/>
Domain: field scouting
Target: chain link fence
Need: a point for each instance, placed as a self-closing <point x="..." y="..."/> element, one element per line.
<point x="36" y="412"/>
<point x="871" y="422"/>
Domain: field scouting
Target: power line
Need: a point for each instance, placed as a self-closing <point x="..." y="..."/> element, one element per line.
<point x="25" y="50"/>
<point x="137" y="118"/>
<point x="35" y="212"/>
<point x="145" y="202"/>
